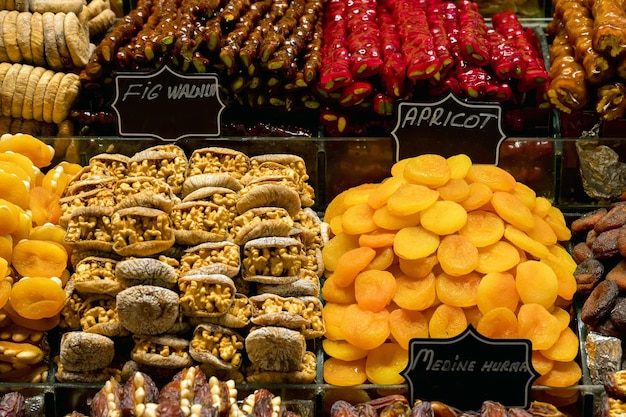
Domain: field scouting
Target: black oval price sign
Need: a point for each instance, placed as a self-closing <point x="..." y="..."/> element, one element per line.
<point x="448" y="127"/>
<point x="167" y="104"/>
<point x="466" y="370"/>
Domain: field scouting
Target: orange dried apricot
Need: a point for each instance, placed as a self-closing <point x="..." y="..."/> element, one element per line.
<point x="377" y="239"/>
<point x="397" y="169"/>
<point x="333" y="315"/>
<point x="39" y="258"/>
<point x="562" y="374"/>
<point x="35" y="149"/>
<point x="538" y="325"/>
<point x="524" y="242"/>
<point x="564" y="256"/>
<point x="14" y="189"/>
<point x="498" y="323"/>
<point x="480" y="194"/>
<point x="415" y="293"/>
<point x="525" y="194"/>
<point x="388" y="186"/>
<point x="458" y="290"/>
<point x="513" y="210"/>
<point x="556" y="220"/>
<point x="456" y="189"/>
<point x="37" y="298"/>
<point x="497" y="289"/>
<point x="410" y="199"/>
<point x="336" y="207"/>
<point x="385" y="257"/>
<point x="350" y="263"/>
<point x="542" y="232"/>
<point x="365" y="329"/>
<point x="473" y="315"/>
<point x="418" y="268"/>
<point x="384" y="219"/>
<point x="415" y="242"/>
<point x="541" y="364"/>
<point x="359" y="194"/>
<point x="358" y="219"/>
<point x="427" y="169"/>
<point x="542" y="206"/>
<point x="482" y="228"/>
<point x="56" y="180"/>
<point x="385" y="363"/>
<point x="457" y="255"/>
<point x="443" y="217"/>
<point x="337" y="246"/>
<point x="344" y="373"/>
<point x="336" y="294"/>
<point x="42" y="324"/>
<point x="447" y="321"/>
<point x="23" y="161"/>
<point x="52" y="232"/>
<point x="16" y="171"/>
<point x="493" y="176"/>
<point x="565" y="349"/>
<point x="336" y="227"/>
<point x="44" y="206"/>
<point x="9" y="216"/>
<point x="343" y="350"/>
<point x="6" y="249"/>
<point x="498" y="257"/>
<point x="5" y="291"/>
<point x="459" y="165"/>
<point x="562" y="316"/>
<point x="374" y="289"/>
<point x="536" y="283"/>
<point x="407" y="324"/>
<point x="24" y="226"/>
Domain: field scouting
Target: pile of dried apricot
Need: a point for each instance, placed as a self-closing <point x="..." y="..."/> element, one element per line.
<point x="441" y="244"/>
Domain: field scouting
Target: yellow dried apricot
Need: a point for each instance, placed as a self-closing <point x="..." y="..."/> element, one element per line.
<point x="377" y="239"/>
<point x="562" y="374"/>
<point x="385" y="220"/>
<point x="385" y="257"/>
<point x="56" y="180"/>
<point x="456" y="189"/>
<point x="343" y="350"/>
<point x="536" y="283"/>
<point x="35" y="149"/>
<point x="556" y="220"/>
<point x="473" y="315"/>
<point x="380" y="195"/>
<point x="365" y="329"/>
<point x="6" y="249"/>
<point x="564" y="256"/>
<point x="42" y="324"/>
<point x="459" y="165"/>
<point x="52" y="232"/>
<point x="418" y="268"/>
<point x="565" y="349"/>
<point x="37" y="298"/>
<point x="562" y="316"/>
<point x="541" y="364"/>
<point x="443" y="217"/>
<point x="374" y="289"/>
<point x="525" y="194"/>
<point x="359" y="194"/>
<point x="538" y="325"/>
<point x="358" y="219"/>
<point x="497" y="289"/>
<point x="415" y="242"/>
<point x="14" y="190"/>
<point x="337" y="246"/>
<point x="44" y="206"/>
<point x="336" y="207"/>
<point x="397" y="169"/>
<point x="24" y="226"/>
<point x="406" y="325"/>
<point x="9" y="216"/>
<point x="334" y="293"/>
<point x="447" y="321"/>
<point x="542" y="206"/>
<point x="498" y="257"/>
<point x="410" y="199"/>
<point x="427" y="169"/>
<point x="498" y="323"/>
<point x="39" y="258"/>
<point x="415" y="293"/>
<point x="385" y="363"/>
<point x="5" y="291"/>
<point x="457" y="255"/>
<point x="482" y="228"/>
<point x="542" y="232"/>
<point x="336" y="227"/>
<point x="350" y="263"/>
<point x="493" y="176"/>
<point x="480" y="194"/>
<point x="458" y="290"/>
<point x="344" y="373"/>
<point x="524" y="242"/>
<point x="513" y="210"/>
<point x="333" y="315"/>
<point x="23" y="161"/>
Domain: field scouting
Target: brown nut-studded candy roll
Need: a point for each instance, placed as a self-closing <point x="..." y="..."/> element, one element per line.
<point x="236" y="317"/>
<point x="269" y="192"/>
<point x="260" y="222"/>
<point x="195" y="222"/>
<point x="275" y="348"/>
<point x="144" y="191"/>
<point x="163" y="351"/>
<point x="305" y="374"/>
<point x="206" y="295"/>
<point x="216" y="159"/>
<point x="146" y="271"/>
<point x="89" y="228"/>
<point x="211" y="258"/>
<point x="96" y="275"/>
<point x="272" y="260"/>
<point x="213" y="180"/>
<point x="116" y="164"/>
<point x="298" y="313"/>
<point x="219" y="346"/>
<point x="100" y="197"/>
<point x="170" y="167"/>
<point x="147" y="309"/>
<point x="141" y="231"/>
<point x="82" y="351"/>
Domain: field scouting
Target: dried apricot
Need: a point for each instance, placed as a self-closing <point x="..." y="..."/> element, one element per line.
<point x="562" y="316"/>
<point x="44" y="206"/>
<point x="24" y="226"/>
<point x="493" y="176"/>
<point x="497" y="289"/>
<point x="418" y="268"/>
<point x="39" y="258"/>
<point x="406" y="325"/>
<point x="374" y="289"/>
<point x="385" y="257"/>
<point x="6" y="249"/>
<point x="562" y="374"/>
<point x="410" y="199"/>
<point x="343" y="350"/>
<point x="459" y="165"/>
<point x="556" y="220"/>
<point x="513" y="210"/>
<point x="37" y="298"/>
<point x="388" y="186"/>
<point x="415" y="293"/>
<point x="567" y="285"/>
<point x="443" y="217"/>
<point x="384" y="219"/>
<point x="498" y="257"/>
<point x="473" y="315"/>
<point x="415" y="242"/>
<point x="56" y="180"/>
<point x="335" y="207"/>
<point x="5" y="291"/>
<point x="359" y="194"/>
<point x="42" y="324"/>
<point x="358" y="219"/>
<point x="9" y="216"/>
<point x="498" y="323"/>
<point x="542" y="232"/>
<point x="480" y="194"/>
<point x="334" y="314"/>
<point x="385" y="363"/>
<point x="542" y="206"/>
<point x="524" y="242"/>
<point x="344" y="373"/>
<point x="397" y="169"/>
<point x="541" y="364"/>
<point x="337" y="246"/>
<point x="538" y="325"/>
<point x="377" y="239"/>
<point x="14" y="189"/>
<point x="35" y="149"/>
<point x="456" y="189"/>
<point x="427" y="169"/>
<point x="336" y="227"/>
<point x="334" y="293"/>
<point x="23" y="161"/>
<point x="458" y="290"/>
<point x="350" y="263"/>
<point x="365" y="329"/>
<point x="52" y="232"/>
<point x="482" y="228"/>
<point x="447" y="321"/>
<point x="536" y="283"/>
<point x="565" y="349"/>
<point x="457" y="255"/>
<point x="525" y="194"/>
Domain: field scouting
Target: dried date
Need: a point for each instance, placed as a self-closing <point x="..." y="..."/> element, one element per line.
<point x="13" y="404"/>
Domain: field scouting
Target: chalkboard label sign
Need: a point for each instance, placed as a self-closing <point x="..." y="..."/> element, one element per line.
<point x="167" y="104"/>
<point x="468" y="369"/>
<point x="448" y="127"/>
